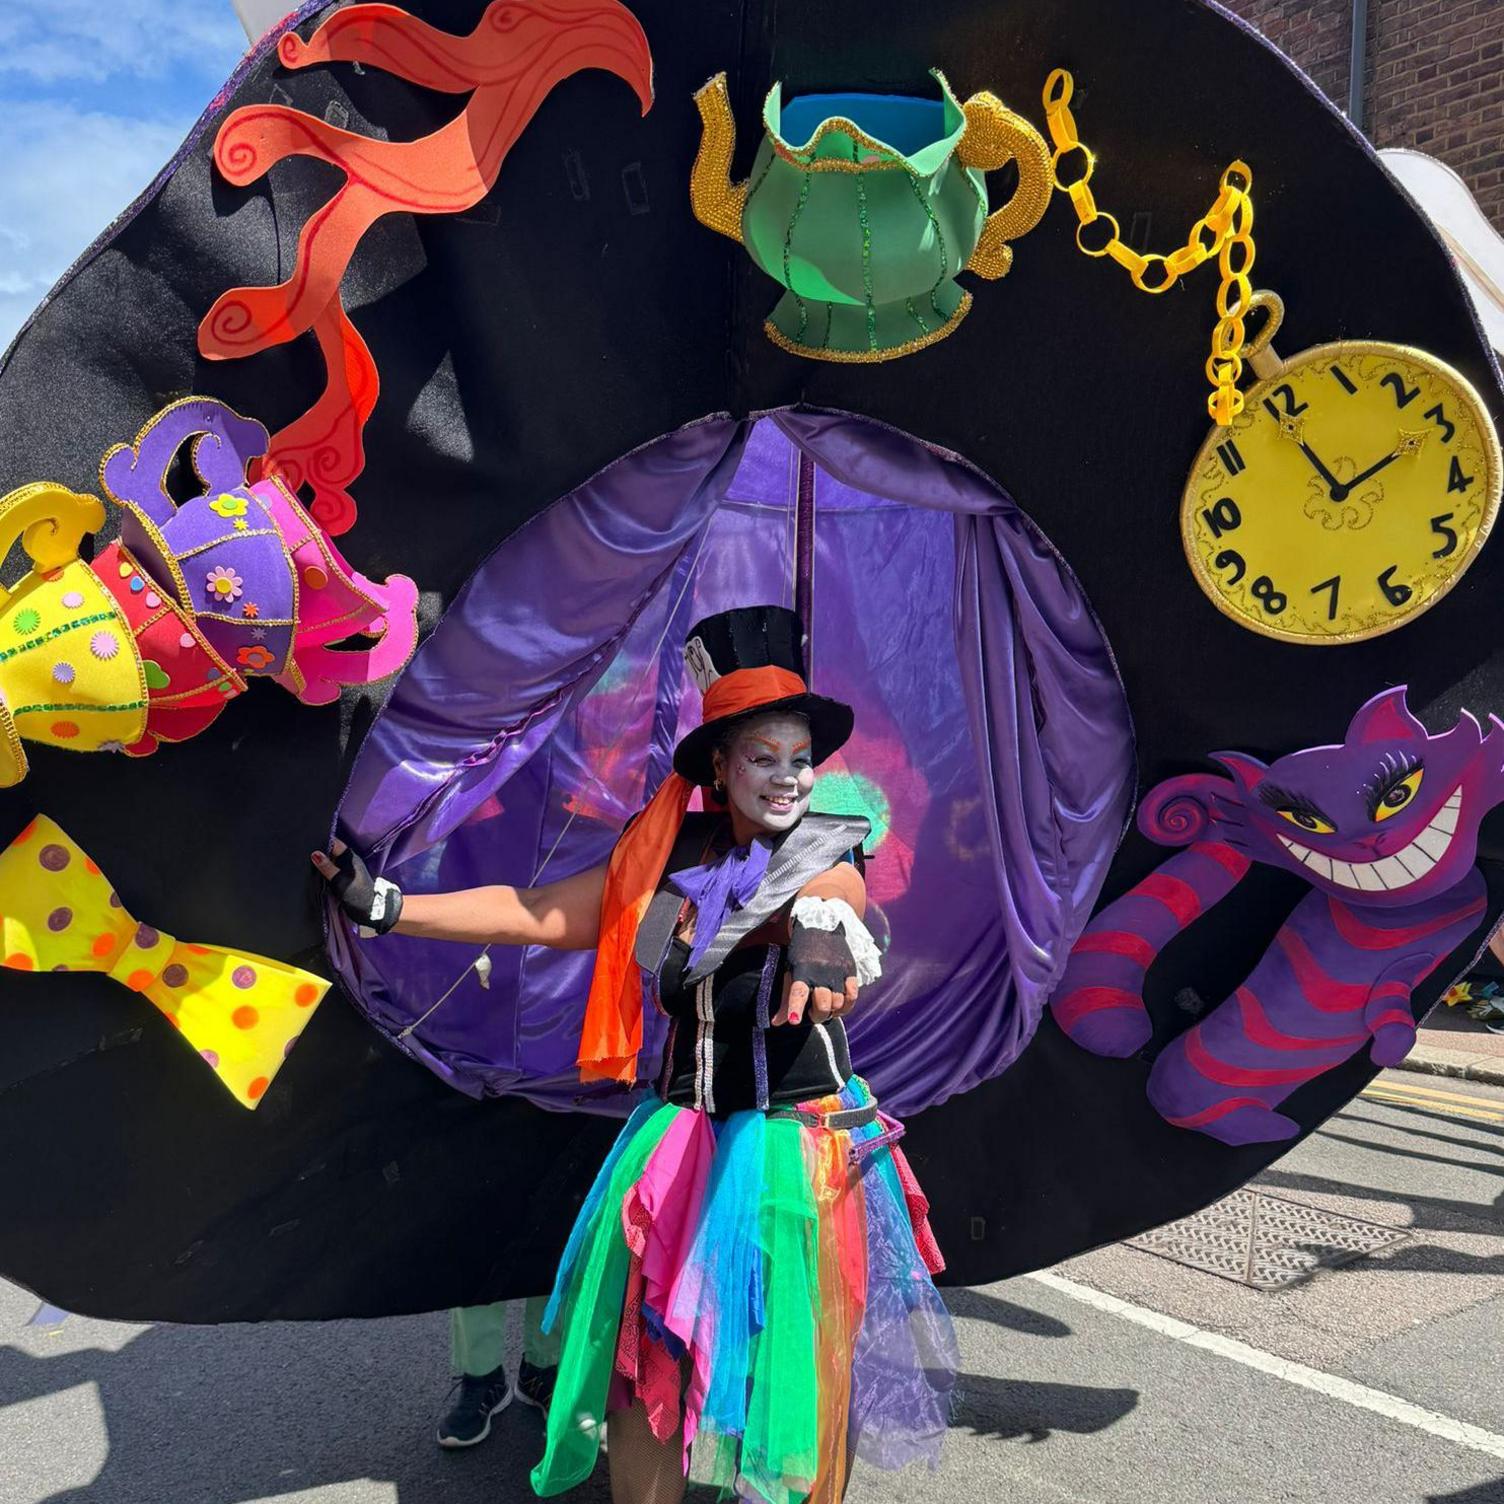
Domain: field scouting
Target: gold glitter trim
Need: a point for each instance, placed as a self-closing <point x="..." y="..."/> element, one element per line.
<point x="890" y="158"/>
<point x="13" y="764"/>
<point x="889" y="161"/>
<point x="996" y="135"/>
<point x="163" y="550"/>
<point x="146" y="428"/>
<point x="993" y="256"/>
<point x="870" y="357"/>
<point x="718" y="203"/>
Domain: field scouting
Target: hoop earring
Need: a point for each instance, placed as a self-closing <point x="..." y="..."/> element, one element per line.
<point x="718" y="791"/>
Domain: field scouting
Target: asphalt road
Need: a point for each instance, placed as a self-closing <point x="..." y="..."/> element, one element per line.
<point x="1120" y="1376"/>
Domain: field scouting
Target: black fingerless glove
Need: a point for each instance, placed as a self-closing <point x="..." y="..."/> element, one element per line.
<point x="372" y="902"/>
<point x="820" y="958"/>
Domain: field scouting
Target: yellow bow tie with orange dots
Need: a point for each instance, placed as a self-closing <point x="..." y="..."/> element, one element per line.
<point x="242" y="1013"/>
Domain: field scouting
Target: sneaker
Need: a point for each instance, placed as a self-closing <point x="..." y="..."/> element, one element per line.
<point x="469" y="1418"/>
<point x="535" y="1386"/>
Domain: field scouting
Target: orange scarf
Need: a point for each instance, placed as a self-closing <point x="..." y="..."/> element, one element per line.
<point x="612" y="1034"/>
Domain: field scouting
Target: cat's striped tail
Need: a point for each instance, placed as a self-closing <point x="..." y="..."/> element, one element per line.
<point x="1100" y="1000"/>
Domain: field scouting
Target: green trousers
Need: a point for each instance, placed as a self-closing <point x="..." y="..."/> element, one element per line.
<point x="478" y="1337"/>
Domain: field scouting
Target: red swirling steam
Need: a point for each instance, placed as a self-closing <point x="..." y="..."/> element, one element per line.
<point x="517" y="53"/>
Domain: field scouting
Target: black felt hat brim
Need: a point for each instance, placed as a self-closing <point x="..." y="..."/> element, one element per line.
<point x="830" y="724"/>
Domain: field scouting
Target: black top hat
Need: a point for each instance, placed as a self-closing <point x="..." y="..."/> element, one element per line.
<point x="754" y="637"/>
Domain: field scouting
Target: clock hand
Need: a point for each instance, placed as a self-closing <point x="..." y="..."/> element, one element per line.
<point x="1406" y="443"/>
<point x="1332" y="482"/>
<point x="1294" y="429"/>
<point x="1358" y="480"/>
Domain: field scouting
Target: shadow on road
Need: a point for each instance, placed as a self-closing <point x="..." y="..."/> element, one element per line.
<point x="1470" y="1144"/>
<point x="1470" y="1148"/>
<point x="1484" y="1493"/>
<point x="1007" y="1408"/>
<point x="980" y="1306"/>
<point x="221" y="1415"/>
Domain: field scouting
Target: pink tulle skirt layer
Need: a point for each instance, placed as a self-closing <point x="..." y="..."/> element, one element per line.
<point x="763" y="1283"/>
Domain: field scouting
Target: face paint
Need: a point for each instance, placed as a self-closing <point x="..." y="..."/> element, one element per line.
<point x="768" y="773"/>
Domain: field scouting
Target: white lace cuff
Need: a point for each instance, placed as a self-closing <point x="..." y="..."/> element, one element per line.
<point x="837" y="914"/>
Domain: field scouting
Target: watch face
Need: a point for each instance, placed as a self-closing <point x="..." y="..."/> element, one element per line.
<point x="1347" y="497"/>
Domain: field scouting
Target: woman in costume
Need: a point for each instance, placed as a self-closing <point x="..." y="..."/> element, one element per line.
<point x="753" y="1263"/>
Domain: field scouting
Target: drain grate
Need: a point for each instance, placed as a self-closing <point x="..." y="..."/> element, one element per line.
<point x="1264" y="1241"/>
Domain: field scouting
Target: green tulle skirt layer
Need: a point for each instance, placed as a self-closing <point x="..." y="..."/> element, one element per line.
<point x="762" y="1287"/>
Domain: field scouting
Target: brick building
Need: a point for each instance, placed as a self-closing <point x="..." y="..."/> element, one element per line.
<point x="1433" y="76"/>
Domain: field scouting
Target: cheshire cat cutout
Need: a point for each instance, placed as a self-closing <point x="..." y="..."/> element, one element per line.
<point x="1388" y="837"/>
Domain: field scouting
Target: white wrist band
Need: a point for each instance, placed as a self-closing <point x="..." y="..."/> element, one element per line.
<point x="837" y="914"/>
<point x="378" y="908"/>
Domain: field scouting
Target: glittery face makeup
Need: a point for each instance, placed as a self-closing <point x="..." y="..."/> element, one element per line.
<point x="768" y="773"/>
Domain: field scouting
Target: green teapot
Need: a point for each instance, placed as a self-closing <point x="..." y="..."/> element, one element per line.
<point x="868" y="222"/>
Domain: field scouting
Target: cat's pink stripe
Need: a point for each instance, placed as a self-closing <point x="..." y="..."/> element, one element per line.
<point x="1070" y="1009"/>
<point x="1233" y="862"/>
<point x="1215" y="1111"/>
<point x="1202" y="1060"/>
<point x="1394" y="1016"/>
<point x="1180" y="898"/>
<point x="1257" y="1027"/>
<point x="1116" y="943"/>
<point x="1375" y="937"/>
<point x="1321" y="991"/>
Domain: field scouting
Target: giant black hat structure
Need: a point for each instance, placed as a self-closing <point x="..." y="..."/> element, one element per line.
<point x="754" y="637"/>
<point x="1049" y="585"/>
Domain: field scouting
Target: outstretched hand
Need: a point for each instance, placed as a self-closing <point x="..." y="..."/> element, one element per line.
<point x="821" y="977"/>
<point x="324" y="867"/>
<point x="373" y="903"/>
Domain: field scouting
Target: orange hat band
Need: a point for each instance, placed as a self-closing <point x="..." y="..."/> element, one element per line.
<point x="748" y="688"/>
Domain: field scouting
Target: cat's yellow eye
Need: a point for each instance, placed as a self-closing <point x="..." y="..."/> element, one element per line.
<point x="1311" y="824"/>
<point x="1396" y="798"/>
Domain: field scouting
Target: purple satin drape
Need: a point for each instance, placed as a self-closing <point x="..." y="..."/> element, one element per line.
<point x="533" y="628"/>
<point x="993" y="749"/>
<point x="1047" y="711"/>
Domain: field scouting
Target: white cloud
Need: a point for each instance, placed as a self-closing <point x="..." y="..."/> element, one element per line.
<point x="53" y="41"/>
<point x="63" y="177"/>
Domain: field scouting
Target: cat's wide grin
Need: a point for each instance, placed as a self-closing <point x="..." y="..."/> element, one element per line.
<point x="1406" y="866"/>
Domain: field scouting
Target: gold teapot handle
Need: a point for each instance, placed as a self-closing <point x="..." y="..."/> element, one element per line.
<point x="995" y="135"/>
<point x="51" y="522"/>
<point x="717" y="201"/>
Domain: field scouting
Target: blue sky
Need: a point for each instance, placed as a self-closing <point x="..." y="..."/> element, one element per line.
<point x="95" y="95"/>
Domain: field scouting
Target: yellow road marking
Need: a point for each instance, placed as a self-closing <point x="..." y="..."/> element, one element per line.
<point x="1445" y="1096"/>
<point x="1398" y="1099"/>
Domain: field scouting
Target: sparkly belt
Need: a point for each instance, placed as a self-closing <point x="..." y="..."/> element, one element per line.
<point x="846" y="1120"/>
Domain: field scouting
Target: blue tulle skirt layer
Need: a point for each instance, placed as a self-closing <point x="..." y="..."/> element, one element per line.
<point x="761" y="1285"/>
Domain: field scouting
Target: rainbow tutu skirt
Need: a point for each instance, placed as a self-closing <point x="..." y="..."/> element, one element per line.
<point x="767" y="1281"/>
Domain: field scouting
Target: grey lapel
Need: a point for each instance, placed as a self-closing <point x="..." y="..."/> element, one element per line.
<point x="814" y="846"/>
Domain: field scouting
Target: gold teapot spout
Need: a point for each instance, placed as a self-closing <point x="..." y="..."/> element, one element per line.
<point x="717" y="201"/>
<point x="51" y="522"/>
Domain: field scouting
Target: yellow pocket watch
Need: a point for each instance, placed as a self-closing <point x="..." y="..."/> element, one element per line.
<point x="1347" y="490"/>
<point x="1349" y="494"/>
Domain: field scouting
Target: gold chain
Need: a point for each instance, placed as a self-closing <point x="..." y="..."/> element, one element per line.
<point x="1226" y="232"/>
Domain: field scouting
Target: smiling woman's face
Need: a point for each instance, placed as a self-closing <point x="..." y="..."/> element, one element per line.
<point x="767" y="772"/>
